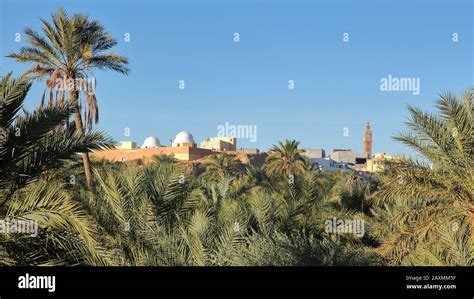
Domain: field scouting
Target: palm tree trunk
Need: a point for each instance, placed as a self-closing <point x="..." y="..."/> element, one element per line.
<point x="80" y="129"/>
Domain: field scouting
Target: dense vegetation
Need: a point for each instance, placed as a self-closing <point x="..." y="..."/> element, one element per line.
<point x="223" y="212"/>
<point x="228" y="213"/>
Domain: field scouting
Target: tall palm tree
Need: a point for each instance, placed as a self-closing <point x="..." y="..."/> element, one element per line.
<point x="67" y="53"/>
<point x="286" y="160"/>
<point x="441" y="186"/>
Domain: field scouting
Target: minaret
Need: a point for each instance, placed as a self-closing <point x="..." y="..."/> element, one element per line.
<point x="367" y="140"/>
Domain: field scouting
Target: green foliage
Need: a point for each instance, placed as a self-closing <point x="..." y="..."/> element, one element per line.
<point x="217" y="166"/>
<point x="421" y="199"/>
<point x="66" y="234"/>
<point x="33" y="143"/>
<point x="149" y="215"/>
<point x="162" y="214"/>
<point x="32" y="146"/>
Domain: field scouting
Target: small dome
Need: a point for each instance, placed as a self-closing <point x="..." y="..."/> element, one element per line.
<point x="184" y="137"/>
<point x="151" y="142"/>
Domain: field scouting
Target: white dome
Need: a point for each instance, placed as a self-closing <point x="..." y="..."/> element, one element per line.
<point x="151" y="142"/>
<point x="184" y="137"/>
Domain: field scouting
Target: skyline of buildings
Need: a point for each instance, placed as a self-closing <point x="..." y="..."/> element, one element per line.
<point x="184" y="148"/>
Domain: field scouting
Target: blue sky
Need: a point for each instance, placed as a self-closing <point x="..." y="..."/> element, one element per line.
<point x="337" y="84"/>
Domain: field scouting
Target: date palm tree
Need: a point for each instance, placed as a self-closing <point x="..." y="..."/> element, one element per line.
<point x="66" y="54"/>
<point x="32" y="144"/>
<point x="445" y="141"/>
<point x="35" y="142"/>
<point x="437" y="189"/>
<point x="286" y="160"/>
<point x="219" y="165"/>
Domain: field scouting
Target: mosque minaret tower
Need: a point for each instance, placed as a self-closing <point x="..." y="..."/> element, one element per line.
<point x="367" y="140"/>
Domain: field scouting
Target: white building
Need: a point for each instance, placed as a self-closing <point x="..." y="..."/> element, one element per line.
<point x="327" y="164"/>
<point x="183" y="139"/>
<point x="151" y="142"/>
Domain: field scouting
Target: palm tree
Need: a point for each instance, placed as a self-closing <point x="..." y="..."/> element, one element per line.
<point x="164" y="159"/>
<point x="219" y="165"/>
<point x="286" y="159"/>
<point x="36" y="142"/>
<point x="64" y="234"/>
<point x="31" y="145"/>
<point x="445" y="141"/>
<point x="66" y="55"/>
<point x="439" y="188"/>
<point x="454" y="247"/>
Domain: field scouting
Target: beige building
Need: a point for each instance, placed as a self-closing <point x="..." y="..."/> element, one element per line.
<point x="220" y="144"/>
<point x="314" y="153"/>
<point x="127" y="145"/>
<point x="183" y="148"/>
<point x="376" y="164"/>
<point x="145" y="154"/>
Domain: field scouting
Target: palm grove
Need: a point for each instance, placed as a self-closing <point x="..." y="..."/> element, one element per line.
<point x="224" y="212"/>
